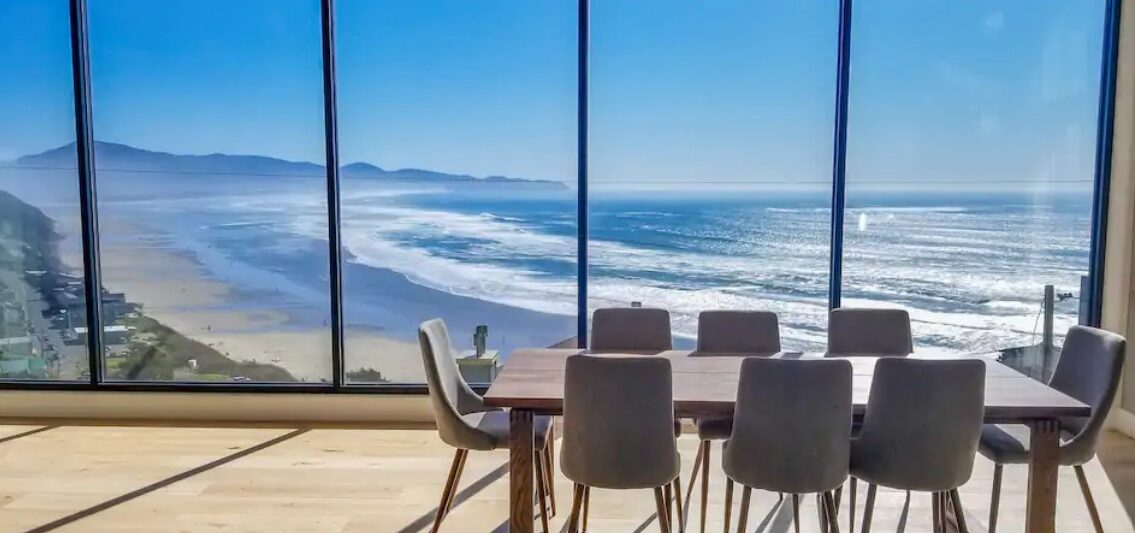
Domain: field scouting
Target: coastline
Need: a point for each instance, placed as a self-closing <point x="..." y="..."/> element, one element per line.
<point x="178" y="292"/>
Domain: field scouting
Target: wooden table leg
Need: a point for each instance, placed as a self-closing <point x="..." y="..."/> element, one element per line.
<point x="1040" y="516"/>
<point x="520" y="445"/>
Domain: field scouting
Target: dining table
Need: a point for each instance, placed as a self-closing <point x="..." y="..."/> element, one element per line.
<point x="705" y="385"/>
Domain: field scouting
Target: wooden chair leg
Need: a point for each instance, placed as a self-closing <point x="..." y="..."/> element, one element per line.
<point x="830" y="512"/>
<point x="995" y="499"/>
<point x="697" y="468"/>
<point x="456" y="481"/>
<point x="549" y="465"/>
<point x="955" y="500"/>
<point x="678" y="503"/>
<point x="821" y="513"/>
<point x="936" y="499"/>
<point x="449" y="490"/>
<point x="576" y="502"/>
<point x="541" y="489"/>
<point x="869" y="508"/>
<point x="586" y="506"/>
<point x="660" y="504"/>
<point x="705" y="482"/>
<point x="854" y="484"/>
<point x="728" y="502"/>
<point x="743" y="518"/>
<point x="1088" y="499"/>
<point x="667" y="491"/>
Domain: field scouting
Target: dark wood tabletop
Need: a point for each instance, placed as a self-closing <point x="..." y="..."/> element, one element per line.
<point x="707" y="384"/>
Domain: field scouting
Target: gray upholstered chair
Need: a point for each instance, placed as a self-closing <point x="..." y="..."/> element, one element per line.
<point x="630" y="329"/>
<point x="1089" y="369"/>
<point x="728" y="333"/>
<point x="618" y="428"/>
<point x="872" y="332"/>
<point x="464" y="422"/>
<point x="920" y="430"/>
<point x="789" y="442"/>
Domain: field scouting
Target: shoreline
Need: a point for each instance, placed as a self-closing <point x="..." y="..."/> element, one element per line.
<point x="177" y="291"/>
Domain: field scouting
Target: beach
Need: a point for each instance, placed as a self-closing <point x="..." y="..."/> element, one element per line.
<point x="177" y="291"/>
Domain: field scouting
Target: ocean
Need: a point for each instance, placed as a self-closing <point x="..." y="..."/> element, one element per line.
<point x="970" y="267"/>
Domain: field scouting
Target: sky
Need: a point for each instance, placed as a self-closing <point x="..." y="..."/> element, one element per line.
<point x="713" y="92"/>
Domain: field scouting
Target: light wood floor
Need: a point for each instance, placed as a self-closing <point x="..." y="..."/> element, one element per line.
<point x="87" y="478"/>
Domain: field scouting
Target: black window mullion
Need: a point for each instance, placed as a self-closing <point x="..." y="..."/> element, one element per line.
<point x="839" y="155"/>
<point x="331" y="149"/>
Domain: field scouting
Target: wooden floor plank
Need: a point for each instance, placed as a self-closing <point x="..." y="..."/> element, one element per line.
<point x="388" y="480"/>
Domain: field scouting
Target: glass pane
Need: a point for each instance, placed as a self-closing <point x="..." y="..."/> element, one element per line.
<point x="42" y="302"/>
<point x="711" y="135"/>
<point x="212" y="197"/>
<point x="457" y="126"/>
<point x="970" y="168"/>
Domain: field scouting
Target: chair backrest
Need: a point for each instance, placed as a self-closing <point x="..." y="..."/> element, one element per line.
<point x="450" y="395"/>
<point x="874" y="332"/>
<point x="1090" y="369"/>
<point x="791" y="425"/>
<point x="738" y="332"/>
<point x="619" y="422"/>
<point x="630" y="329"/>
<point x="923" y="423"/>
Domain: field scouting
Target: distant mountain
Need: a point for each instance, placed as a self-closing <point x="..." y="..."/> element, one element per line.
<point x="120" y="157"/>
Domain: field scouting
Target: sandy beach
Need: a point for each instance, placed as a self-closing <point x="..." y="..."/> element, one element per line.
<point x="176" y="291"/>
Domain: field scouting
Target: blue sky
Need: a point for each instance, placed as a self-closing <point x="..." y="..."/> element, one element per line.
<point x="715" y="91"/>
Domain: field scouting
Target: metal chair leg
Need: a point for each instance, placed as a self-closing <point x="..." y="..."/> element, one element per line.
<point x="936" y="499"/>
<point x="743" y="518"/>
<point x="450" y="489"/>
<point x="869" y="508"/>
<point x="1088" y="499"/>
<point x="660" y="503"/>
<point x="995" y="501"/>
<point x="728" y="502"/>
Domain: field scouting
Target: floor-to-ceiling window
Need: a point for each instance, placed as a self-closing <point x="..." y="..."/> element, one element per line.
<point x="42" y="301"/>
<point x="212" y="195"/>
<point x="457" y="129"/>
<point x="711" y="153"/>
<point x="971" y="144"/>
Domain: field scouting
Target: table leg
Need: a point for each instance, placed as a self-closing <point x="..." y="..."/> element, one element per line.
<point x="1044" y="466"/>
<point x="520" y="444"/>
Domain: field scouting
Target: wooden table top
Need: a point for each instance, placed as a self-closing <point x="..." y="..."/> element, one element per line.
<point x="707" y="385"/>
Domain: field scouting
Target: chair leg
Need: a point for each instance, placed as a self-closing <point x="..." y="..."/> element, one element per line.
<point x="869" y="508"/>
<point x="728" y="502"/>
<point x="678" y="503"/>
<point x="660" y="504"/>
<point x="743" y="518"/>
<point x="450" y="489"/>
<point x="456" y="481"/>
<point x="576" y="502"/>
<point x="586" y="506"/>
<point x="851" y="504"/>
<point x="796" y="512"/>
<point x="541" y="489"/>
<point x="830" y="512"/>
<point x="1088" y="499"/>
<point x="955" y="500"/>
<point x="995" y="502"/>
<point x="697" y="468"/>
<point x="936" y="499"/>
<point x="668" y="493"/>
<point x="549" y="465"/>
<point x="705" y="482"/>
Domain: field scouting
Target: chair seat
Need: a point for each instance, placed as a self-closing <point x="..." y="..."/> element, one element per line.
<point x="1009" y="444"/>
<point x="495" y="425"/>
<point x="715" y="428"/>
